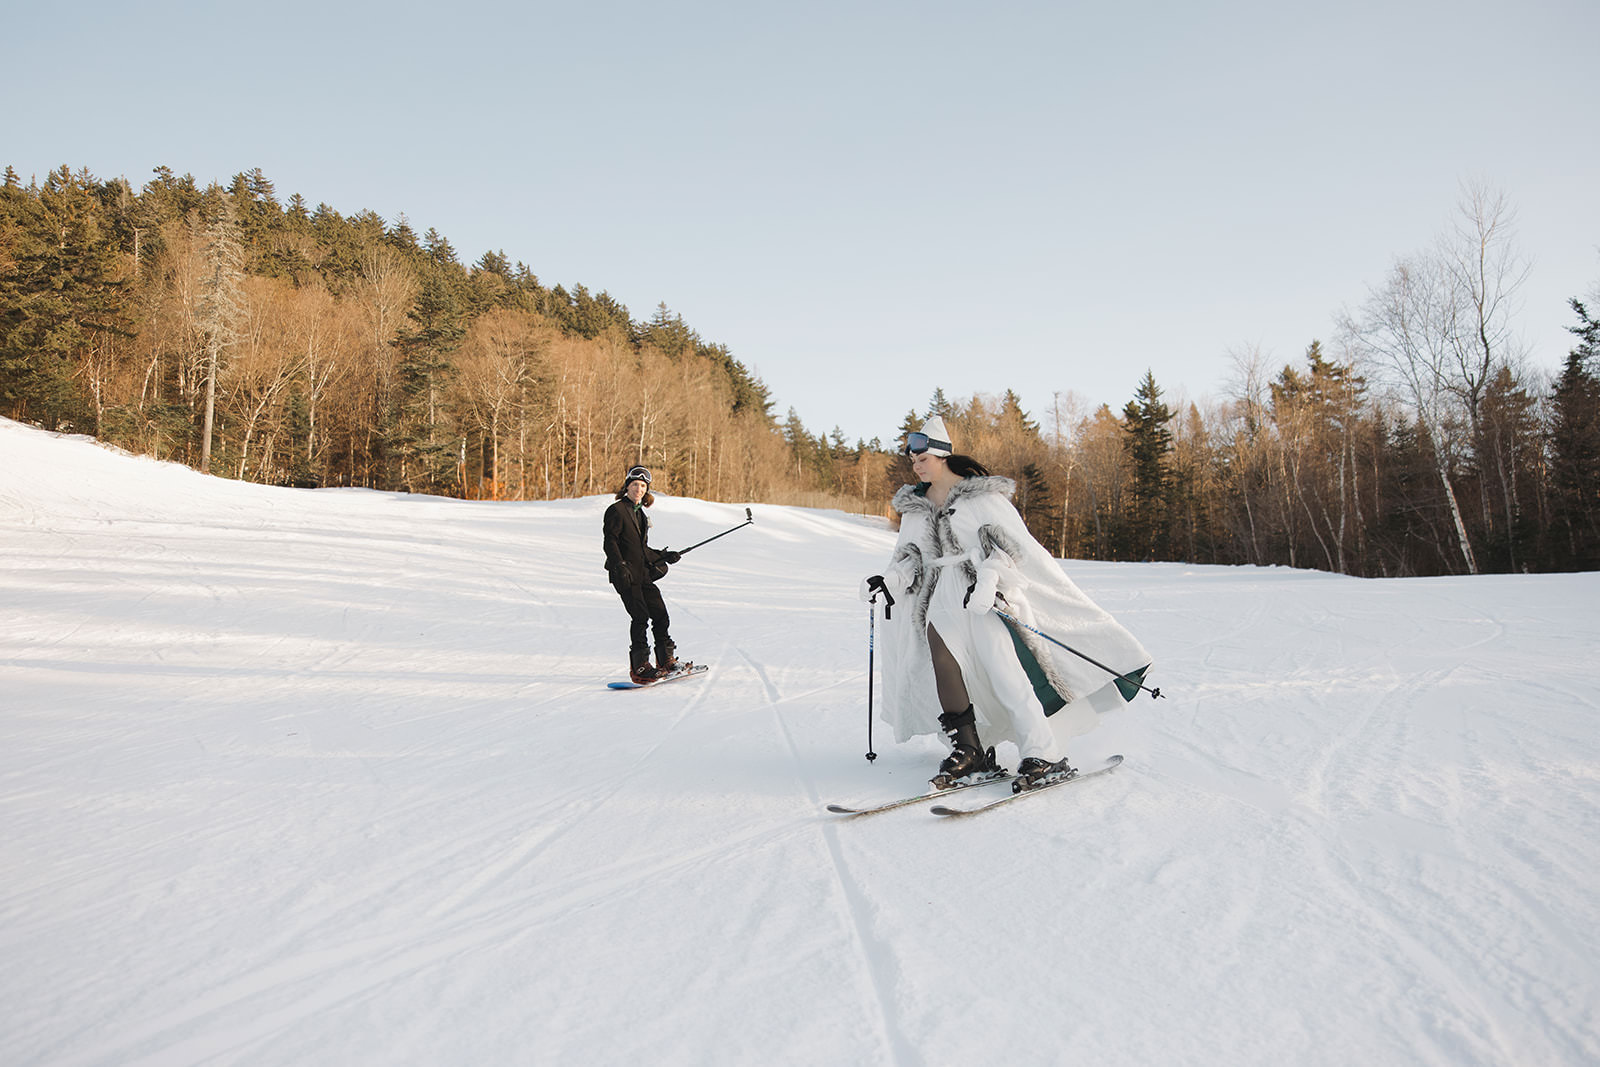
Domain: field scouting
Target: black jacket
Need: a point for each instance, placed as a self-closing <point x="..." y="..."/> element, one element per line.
<point x="629" y="558"/>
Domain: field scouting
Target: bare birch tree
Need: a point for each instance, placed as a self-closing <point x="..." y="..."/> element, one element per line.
<point x="221" y="307"/>
<point x="1486" y="271"/>
<point x="1245" y="437"/>
<point x="1408" y="329"/>
<point x="1441" y="327"/>
<point x="1483" y="270"/>
<point x="1066" y="416"/>
<point x="388" y="290"/>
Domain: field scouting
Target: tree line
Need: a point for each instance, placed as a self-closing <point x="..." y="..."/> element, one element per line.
<point x="268" y="341"/>
<point x="1421" y="444"/>
<point x="259" y="339"/>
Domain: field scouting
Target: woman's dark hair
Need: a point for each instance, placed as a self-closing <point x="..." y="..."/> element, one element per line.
<point x="646" y="500"/>
<point x="962" y="467"/>
<point x="967" y="467"/>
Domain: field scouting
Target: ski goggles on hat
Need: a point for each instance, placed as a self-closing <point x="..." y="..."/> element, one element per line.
<point x="918" y="443"/>
<point x="638" y="474"/>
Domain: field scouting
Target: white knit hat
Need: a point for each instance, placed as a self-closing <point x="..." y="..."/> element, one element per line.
<point x="938" y="438"/>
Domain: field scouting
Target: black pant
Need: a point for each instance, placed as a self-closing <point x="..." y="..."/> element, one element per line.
<point x="646" y="609"/>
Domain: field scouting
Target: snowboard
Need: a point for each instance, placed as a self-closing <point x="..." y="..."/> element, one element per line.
<point x="685" y="670"/>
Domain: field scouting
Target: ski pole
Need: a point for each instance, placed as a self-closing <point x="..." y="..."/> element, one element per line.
<point x="872" y="640"/>
<point x="748" y="519"/>
<point x="1154" y="693"/>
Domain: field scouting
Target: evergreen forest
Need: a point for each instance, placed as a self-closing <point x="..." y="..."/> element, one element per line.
<point x="258" y="338"/>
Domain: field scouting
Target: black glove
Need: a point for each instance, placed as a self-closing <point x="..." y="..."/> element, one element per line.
<point x="671" y="557"/>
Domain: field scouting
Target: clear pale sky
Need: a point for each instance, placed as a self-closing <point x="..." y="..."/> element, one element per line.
<point x="866" y="201"/>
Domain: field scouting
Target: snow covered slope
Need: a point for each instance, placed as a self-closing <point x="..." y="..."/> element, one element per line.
<point x="293" y="777"/>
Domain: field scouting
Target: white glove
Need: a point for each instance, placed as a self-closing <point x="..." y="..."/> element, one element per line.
<point x="998" y="578"/>
<point x="1010" y="576"/>
<point x="981" y="597"/>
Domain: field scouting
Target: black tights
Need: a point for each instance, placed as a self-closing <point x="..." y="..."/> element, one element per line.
<point x="947" y="675"/>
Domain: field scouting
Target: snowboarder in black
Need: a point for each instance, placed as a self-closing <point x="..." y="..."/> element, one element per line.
<point x="634" y="568"/>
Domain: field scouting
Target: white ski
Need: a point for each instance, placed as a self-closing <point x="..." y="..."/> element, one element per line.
<point x="1111" y="764"/>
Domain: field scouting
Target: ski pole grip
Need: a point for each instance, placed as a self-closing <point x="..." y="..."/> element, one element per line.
<point x="876" y="584"/>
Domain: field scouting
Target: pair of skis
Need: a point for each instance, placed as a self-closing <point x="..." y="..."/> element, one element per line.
<point x="1110" y="764"/>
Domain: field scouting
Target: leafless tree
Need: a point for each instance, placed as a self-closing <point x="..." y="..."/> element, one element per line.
<point x="1244" y="436"/>
<point x="387" y="291"/>
<point x="1408" y="330"/>
<point x="1066" y="414"/>
<point x="1486" y="270"/>
<point x="221" y="307"/>
<point x="1483" y="270"/>
<point x="1441" y="328"/>
<point x="496" y="365"/>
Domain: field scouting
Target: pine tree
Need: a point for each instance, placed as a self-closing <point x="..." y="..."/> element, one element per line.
<point x="667" y="333"/>
<point x="60" y="295"/>
<point x="439" y="249"/>
<point x="1148" y="443"/>
<point x="1015" y="420"/>
<point x="418" y="436"/>
<point x="400" y="236"/>
<point x="495" y="263"/>
<point x="1507" y="450"/>
<point x="1405" y="539"/>
<point x="1035" y="503"/>
<point x="750" y="394"/>
<point x="1575" y="451"/>
<point x="591" y="315"/>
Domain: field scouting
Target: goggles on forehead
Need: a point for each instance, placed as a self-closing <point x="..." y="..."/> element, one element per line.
<point x="918" y="443"/>
<point x="639" y="474"/>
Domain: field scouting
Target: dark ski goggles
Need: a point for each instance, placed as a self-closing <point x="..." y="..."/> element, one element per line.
<point x="638" y="474"/>
<point x="918" y="443"/>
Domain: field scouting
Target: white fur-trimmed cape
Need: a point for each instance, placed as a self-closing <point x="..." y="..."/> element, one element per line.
<point x="1000" y="561"/>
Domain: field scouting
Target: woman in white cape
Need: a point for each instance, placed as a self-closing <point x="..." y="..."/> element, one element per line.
<point x="950" y="664"/>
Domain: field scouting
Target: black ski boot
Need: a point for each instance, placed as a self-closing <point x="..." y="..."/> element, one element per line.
<point x="967" y="755"/>
<point x="666" y="657"/>
<point x="1033" y="772"/>
<point x="639" y="669"/>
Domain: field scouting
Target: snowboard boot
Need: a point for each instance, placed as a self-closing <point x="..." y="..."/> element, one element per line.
<point x="639" y="669"/>
<point x="967" y="755"/>
<point x="1033" y="772"/>
<point x="666" y="657"/>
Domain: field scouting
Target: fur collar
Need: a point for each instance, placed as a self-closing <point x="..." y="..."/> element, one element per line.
<point x="911" y="498"/>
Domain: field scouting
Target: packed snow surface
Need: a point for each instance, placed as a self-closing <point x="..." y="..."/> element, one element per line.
<point x="333" y="777"/>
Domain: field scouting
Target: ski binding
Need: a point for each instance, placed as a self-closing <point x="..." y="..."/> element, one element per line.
<point x="1111" y="764"/>
<point x="684" y="670"/>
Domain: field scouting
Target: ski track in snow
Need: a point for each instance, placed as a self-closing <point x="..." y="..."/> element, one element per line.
<point x="295" y="777"/>
<point x="854" y="902"/>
